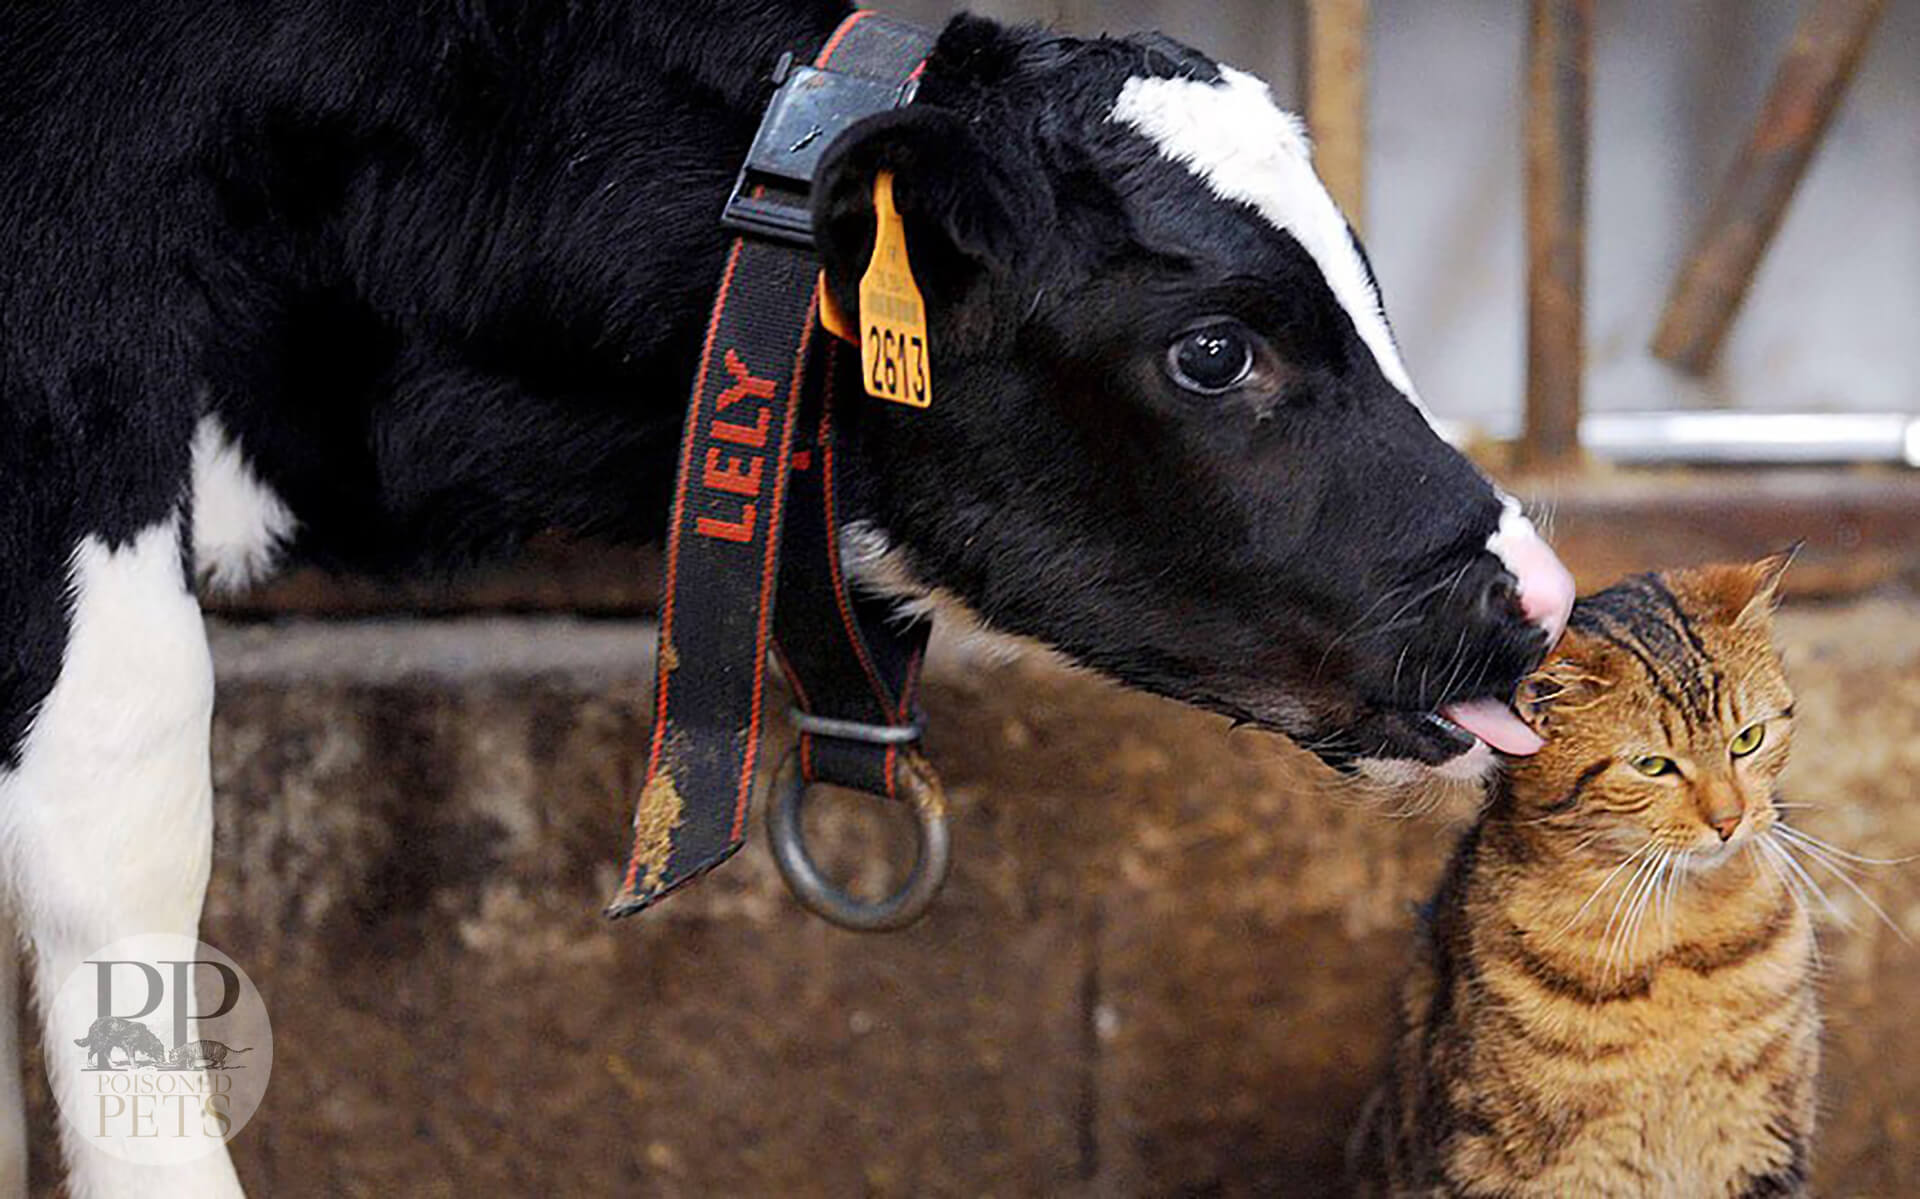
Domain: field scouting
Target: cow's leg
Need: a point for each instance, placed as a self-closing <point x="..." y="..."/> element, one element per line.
<point x="106" y="814"/>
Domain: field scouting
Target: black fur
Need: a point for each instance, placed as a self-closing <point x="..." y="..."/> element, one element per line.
<point x="441" y="268"/>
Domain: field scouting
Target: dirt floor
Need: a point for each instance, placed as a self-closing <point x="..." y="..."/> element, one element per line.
<point x="1161" y="967"/>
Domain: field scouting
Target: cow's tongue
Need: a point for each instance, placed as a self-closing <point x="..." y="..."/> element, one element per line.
<point x="1494" y="722"/>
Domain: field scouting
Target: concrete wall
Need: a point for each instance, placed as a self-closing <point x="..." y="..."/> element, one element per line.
<point x="1161" y="966"/>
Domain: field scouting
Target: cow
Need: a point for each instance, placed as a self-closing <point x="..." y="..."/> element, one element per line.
<point x="393" y="287"/>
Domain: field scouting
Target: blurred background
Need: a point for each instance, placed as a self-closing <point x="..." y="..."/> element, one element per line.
<point x="1675" y="90"/>
<point x="1165" y="961"/>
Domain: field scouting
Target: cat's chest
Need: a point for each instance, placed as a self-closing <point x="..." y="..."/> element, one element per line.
<point x="1674" y="1135"/>
<point x="1692" y="1098"/>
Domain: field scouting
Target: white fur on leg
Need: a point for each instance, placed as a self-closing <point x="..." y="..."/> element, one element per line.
<point x="107" y="823"/>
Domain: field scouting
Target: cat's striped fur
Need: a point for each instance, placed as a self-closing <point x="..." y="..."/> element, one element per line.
<point x="1614" y="991"/>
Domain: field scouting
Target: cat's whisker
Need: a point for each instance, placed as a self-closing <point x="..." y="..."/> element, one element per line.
<point x="1804" y="889"/>
<point x="1660" y="908"/>
<point x="1626" y="891"/>
<point x="1604" y="883"/>
<point x="1750" y="850"/>
<point x="1781" y="854"/>
<point x="1673" y="892"/>
<point x="1582" y="843"/>
<point x="1793" y="889"/>
<point x="1649" y="901"/>
<point x="1616" y="930"/>
<point x="1630" y="936"/>
<point x="1617" y="942"/>
<point x="1816" y="850"/>
<point x="1802" y="835"/>
<point x="1840" y="872"/>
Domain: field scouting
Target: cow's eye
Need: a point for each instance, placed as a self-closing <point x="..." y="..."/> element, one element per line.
<point x="1211" y="358"/>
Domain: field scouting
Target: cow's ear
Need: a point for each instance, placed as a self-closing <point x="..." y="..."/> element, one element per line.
<point x="971" y="211"/>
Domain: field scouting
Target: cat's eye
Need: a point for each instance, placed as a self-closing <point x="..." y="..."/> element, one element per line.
<point x="1747" y="740"/>
<point x="1653" y="765"/>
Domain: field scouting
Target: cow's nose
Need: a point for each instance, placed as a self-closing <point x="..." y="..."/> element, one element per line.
<point x="1500" y="600"/>
<point x="1543" y="586"/>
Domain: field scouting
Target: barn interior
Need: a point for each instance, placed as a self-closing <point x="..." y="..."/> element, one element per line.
<point x="1165" y="962"/>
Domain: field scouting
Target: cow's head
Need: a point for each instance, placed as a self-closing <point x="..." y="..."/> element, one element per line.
<point x="1172" y="436"/>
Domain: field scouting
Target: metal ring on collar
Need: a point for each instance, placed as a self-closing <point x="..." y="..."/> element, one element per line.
<point x="854" y="730"/>
<point x="919" y="787"/>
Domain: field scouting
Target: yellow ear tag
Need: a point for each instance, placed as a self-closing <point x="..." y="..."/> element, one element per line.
<point x="895" y="362"/>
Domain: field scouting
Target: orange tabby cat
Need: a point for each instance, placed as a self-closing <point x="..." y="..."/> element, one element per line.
<point x="1614" y="992"/>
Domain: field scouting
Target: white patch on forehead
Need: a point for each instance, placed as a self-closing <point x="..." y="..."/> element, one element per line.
<point x="1245" y="148"/>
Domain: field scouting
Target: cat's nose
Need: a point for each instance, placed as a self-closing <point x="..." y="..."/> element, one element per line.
<point x="1725" y="821"/>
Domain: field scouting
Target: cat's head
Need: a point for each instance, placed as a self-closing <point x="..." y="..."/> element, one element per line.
<point x="1667" y="716"/>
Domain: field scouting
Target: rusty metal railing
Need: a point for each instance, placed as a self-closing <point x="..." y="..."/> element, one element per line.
<point x="1819" y="64"/>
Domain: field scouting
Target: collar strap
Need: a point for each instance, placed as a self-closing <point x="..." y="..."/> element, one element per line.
<point x="811" y="106"/>
<point x="760" y="366"/>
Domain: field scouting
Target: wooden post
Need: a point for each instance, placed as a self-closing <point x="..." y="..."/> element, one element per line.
<point x="1812" y="78"/>
<point x="1559" y="71"/>
<point x="1336" y="54"/>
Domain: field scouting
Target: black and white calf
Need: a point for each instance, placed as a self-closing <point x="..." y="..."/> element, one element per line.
<point x="392" y="286"/>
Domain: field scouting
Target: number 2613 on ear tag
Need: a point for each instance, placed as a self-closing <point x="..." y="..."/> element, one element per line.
<point x="895" y="362"/>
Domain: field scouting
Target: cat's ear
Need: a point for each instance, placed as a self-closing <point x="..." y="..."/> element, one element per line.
<point x="1767" y="573"/>
<point x="1746" y="595"/>
<point x="1578" y="673"/>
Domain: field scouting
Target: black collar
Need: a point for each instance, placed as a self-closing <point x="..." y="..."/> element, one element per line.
<point x="757" y="467"/>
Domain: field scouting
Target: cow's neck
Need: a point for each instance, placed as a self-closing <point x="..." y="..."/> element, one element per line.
<point x="738" y="64"/>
